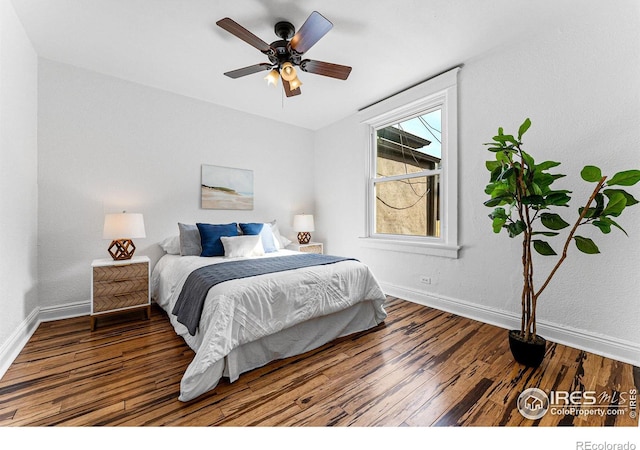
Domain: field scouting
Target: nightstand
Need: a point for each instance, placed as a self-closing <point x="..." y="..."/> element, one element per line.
<point x="311" y="247"/>
<point x="118" y="286"/>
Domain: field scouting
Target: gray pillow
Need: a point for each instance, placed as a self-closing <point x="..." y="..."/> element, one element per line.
<point x="189" y="240"/>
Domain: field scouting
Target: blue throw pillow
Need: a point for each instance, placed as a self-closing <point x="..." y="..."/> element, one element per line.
<point x="210" y="237"/>
<point x="266" y="235"/>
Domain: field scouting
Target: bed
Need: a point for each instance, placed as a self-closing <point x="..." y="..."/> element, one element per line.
<point x="249" y="321"/>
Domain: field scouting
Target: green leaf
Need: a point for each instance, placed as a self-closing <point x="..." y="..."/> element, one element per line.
<point x="544" y="180"/>
<point x="504" y="158"/>
<point x="505" y="200"/>
<point x="630" y="199"/>
<point x="533" y="200"/>
<point x="547" y="165"/>
<point x="504" y="138"/>
<point x="496" y="173"/>
<point x="498" y="223"/>
<point x="617" y="203"/>
<point x="537" y="190"/>
<point x="523" y="128"/>
<point x="586" y="245"/>
<point x="553" y="221"/>
<point x="558" y="199"/>
<point x="516" y="228"/>
<point x="626" y="178"/>
<point x="528" y="159"/>
<point x="506" y="174"/>
<point x="543" y="248"/>
<point x="603" y="225"/>
<point x="615" y="224"/>
<point x="545" y="233"/>
<point x="498" y="212"/>
<point x="591" y="174"/>
<point x="492" y="165"/>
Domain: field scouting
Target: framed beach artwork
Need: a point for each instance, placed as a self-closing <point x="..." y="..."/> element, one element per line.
<point x="226" y="188"/>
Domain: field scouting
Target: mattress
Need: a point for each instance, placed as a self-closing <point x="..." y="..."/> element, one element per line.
<point x="249" y="322"/>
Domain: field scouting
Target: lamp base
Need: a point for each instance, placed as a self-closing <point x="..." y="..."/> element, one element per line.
<point x="122" y="249"/>
<point x="304" y="237"/>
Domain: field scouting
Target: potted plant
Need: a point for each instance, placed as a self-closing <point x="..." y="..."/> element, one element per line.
<point x="522" y="198"/>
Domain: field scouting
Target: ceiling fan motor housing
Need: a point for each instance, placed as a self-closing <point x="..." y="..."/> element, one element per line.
<point x="284" y="30"/>
<point x="283" y="51"/>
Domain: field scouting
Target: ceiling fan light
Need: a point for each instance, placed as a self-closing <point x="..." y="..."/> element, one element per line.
<point x="295" y="84"/>
<point x="272" y="77"/>
<point x="288" y="72"/>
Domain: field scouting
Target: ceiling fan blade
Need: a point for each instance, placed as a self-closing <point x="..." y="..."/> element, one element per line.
<point x="310" y="32"/>
<point x="248" y="70"/>
<point x="288" y="91"/>
<point x="326" y="69"/>
<point x="239" y="31"/>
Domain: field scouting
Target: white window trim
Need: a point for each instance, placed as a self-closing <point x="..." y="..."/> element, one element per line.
<point x="438" y="91"/>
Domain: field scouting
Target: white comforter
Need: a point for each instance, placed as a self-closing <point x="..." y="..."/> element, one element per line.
<point x="241" y="311"/>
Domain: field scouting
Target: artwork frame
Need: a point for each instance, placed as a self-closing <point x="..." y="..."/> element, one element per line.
<point x="226" y="188"/>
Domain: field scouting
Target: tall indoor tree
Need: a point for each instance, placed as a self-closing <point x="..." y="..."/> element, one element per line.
<point x="525" y="205"/>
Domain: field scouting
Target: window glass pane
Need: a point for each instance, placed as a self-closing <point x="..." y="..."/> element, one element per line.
<point x="408" y="207"/>
<point x="409" y="146"/>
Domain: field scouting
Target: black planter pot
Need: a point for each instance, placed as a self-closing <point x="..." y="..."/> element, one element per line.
<point x="529" y="354"/>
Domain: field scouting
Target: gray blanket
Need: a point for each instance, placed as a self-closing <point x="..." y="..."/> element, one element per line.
<point x="188" y="307"/>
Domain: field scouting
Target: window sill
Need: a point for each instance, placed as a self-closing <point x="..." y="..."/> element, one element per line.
<point x="420" y="248"/>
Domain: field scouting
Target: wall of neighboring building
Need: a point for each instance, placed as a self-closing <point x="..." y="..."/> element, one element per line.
<point x="579" y="85"/>
<point x="401" y="206"/>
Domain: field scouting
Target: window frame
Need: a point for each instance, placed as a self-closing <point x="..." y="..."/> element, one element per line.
<point x="439" y="92"/>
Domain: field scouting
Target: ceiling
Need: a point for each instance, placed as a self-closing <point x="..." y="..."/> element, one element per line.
<point x="176" y="46"/>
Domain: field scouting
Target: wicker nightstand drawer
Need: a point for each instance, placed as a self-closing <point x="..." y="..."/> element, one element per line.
<point x="119" y="286"/>
<point x="311" y="247"/>
<point x="120" y="301"/>
<point x="120" y="272"/>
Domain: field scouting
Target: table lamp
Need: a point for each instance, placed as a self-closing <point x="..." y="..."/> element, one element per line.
<point x="121" y="228"/>
<point x="303" y="224"/>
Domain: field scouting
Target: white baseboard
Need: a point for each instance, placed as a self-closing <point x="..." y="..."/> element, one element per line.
<point x="65" y="311"/>
<point x="617" y="349"/>
<point x="19" y="338"/>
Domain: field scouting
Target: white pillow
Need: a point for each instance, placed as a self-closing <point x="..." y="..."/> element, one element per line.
<point x="242" y="246"/>
<point x="280" y="239"/>
<point x="171" y="245"/>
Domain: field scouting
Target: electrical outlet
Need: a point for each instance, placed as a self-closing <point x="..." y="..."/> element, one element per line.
<point x="425" y="280"/>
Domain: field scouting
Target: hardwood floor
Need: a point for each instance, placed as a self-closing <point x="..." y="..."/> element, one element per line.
<point x="422" y="367"/>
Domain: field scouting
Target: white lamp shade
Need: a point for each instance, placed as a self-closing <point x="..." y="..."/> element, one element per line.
<point x="303" y="222"/>
<point x="123" y="226"/>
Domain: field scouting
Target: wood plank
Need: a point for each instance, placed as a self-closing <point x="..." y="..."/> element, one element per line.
<point x="422" y="367"/>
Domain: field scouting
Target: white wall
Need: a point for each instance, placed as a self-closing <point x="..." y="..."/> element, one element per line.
<point x="18" y="177"/>
<point x="107" y="145"/>
<point x="579" y="85"/>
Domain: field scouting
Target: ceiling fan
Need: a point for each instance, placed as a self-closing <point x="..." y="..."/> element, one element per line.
<point x="286" y="53"/>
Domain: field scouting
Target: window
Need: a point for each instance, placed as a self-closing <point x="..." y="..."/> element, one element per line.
<point x="412" y="174"/>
